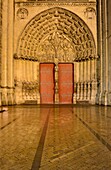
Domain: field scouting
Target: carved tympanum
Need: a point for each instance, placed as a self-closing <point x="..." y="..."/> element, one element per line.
<point x="72" y="34"/>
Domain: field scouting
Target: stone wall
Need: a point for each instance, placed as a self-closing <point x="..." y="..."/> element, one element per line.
<point x="104" y="51"/>
<point x="0" y="42"/>
<point x="109" y="50"/>
<point x="0" y="35"/>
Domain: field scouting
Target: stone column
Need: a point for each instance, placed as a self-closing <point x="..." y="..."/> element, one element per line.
<point x="92" y="78"/>
<point x="15" y="68"/>
<point x="10" y="73"/>
<point x="38" y="83"/>
<point x="28" y="70"/>
<point x="89" y="79"/>
<point x="32" y="70"/>
<point x="82" y="74"/>
<point x="106" y="56"/>
<point x="35" y="70"/>
<point x="79" y="84"/>
<point x="100" y="50"/>
<point x="75" y="83"/>
<point x="35" y="78"/>
<point x="89" y="92"/>
<point x="109" y="52"/>
<point x="4" y="52"/>
<point x="85" y="80"/>
<point x="18" y="83"/>
<point x="92" y="69"/>
<point x="93" y="81"/>
<point x="56" y="84"/>
<point x="78" y="91"/>
<point x="22" y="78"/>
<point x="77" y="79"/>
<point x="20" y="70"/>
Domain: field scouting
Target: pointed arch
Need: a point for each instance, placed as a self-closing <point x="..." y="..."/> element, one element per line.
<point x="61" y="21"/>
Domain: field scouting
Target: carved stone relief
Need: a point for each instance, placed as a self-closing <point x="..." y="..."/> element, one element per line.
<point x="69" y="28"/>
<point x="34" y="3"/>
<point x="29" y="90"/>
<point x="56" y="46"/>
<point x="22" y="13"/>
<point x="90" y="12"/>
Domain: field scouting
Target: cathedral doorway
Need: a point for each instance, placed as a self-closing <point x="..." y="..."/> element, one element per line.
<point x="48" y="84"/>
<point x="66" y="83"/>
<point x="55" y="60"/>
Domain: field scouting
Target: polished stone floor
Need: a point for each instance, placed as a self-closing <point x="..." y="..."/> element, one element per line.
<point x="60" y="137"/>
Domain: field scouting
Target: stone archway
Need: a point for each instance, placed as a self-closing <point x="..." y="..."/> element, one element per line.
<point x="57" y="35"/>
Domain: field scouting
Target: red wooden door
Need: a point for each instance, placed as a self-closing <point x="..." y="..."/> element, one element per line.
<point x="66" y="83"/>
<point x="47" y="83"/>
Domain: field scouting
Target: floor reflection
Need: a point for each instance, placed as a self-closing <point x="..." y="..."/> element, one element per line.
<point x="55" y="137"/>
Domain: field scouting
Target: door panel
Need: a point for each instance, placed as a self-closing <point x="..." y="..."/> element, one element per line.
<point x="65" y="83"/>
<point x="47" y="83"/>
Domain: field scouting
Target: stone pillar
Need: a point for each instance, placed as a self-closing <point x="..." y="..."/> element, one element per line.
<point x="85" y="91"/>
<point x="85" y="81"/>
<point x="106" y="92"/>
<point x="4" y="52"/>
<point x="56" y="84"/>
<point x="82" y="85"/>
<point x="100" y="49"/>
<point x="82" y="91"/>
<point x="89" y="91"/>
<point x="92" y="69"/>
<point x="96" y="73"/>
<point x="38" y="83"/>
<point x="77" y="72"/>
<point x="77" y="80"/>
<point x="23" y="76"/>
<point x="18" y="84"/>
<point x="18" y="92"/>
<point x="89" y="80"/>
<point x="94" y="90"/>
<point x="35" y="70"/>
<point x="93" y="81"/>
<point x="109" y="50"/>
<point x="32" y="65"/>
<point x="75" y="83"/>
<point x="10" y="58"/>
<point x="27" y="70"/>
<point x="78" y="91"/>
<point x="35" y="78"/>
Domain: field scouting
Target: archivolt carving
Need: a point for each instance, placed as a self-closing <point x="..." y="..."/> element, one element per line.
<point x="56" y="46"/>
<point x="62" y="22"/>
